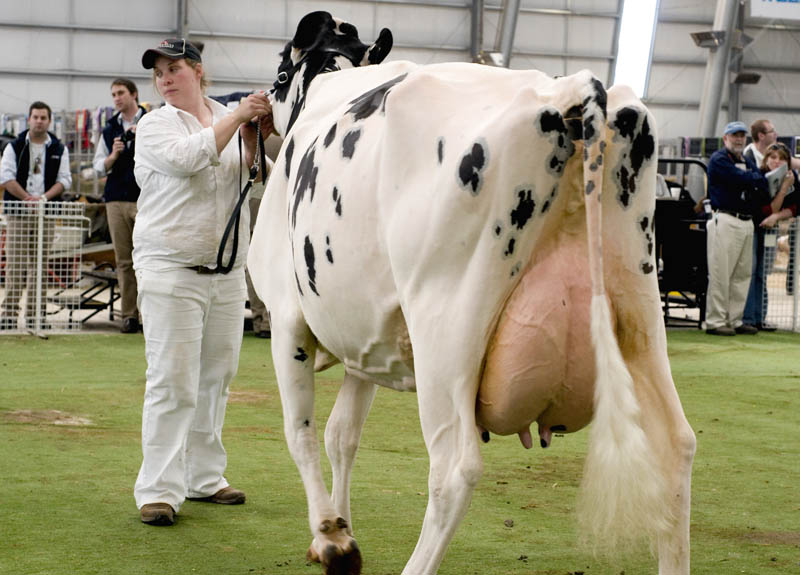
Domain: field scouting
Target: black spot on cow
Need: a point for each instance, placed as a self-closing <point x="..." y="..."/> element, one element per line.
<point x="524" y="210"/>
<point x="588" y="128"/>
<point x="643" y="223"/>
<point x="308" y="252"/>
<point x="440" y="150"/>
<point x="643" y="147"/>
<point x="287" y="155"/>
<point x="593" y="167"/>
<point x="349" y="143"/>
<point x="369" y="102"/>
<point x="306" y="423"/>
<point x="600" y="96"/>
<point x="627" y="182"/>
<point x="510" y="249"/>
<point x="555" y="163"/>
<point x="337" y="200"/>
<point x="297" y="280"/>
<point x="329" y="137"/>
<point x="551" y="120"/>
<point x="471" y="166"/>
<point x="301" y="356"/>
<point x="589" y="187"/>
<point x="599" y="159"/>
<point x="516" y="268"/>
<point x="647" y="267"/>
<point x="306" y="180"/>
<point x="549" y="201"/>
<point x="328" y="252"/>
<point x="572" y="120"/>
<point x="649" y="239"/>
<point x="497" y="229"/>
<point x="626" y="121"/>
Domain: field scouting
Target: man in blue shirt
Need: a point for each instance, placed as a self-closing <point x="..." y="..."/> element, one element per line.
<point x="733" y="184"/>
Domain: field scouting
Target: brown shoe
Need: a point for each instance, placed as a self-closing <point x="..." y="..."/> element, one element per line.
<point x="157" y="514"/>
<point x="225" y="496"/>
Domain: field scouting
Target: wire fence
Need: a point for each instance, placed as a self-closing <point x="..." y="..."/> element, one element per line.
<point x="780" y="297"/>
<point x="40" y="266"/>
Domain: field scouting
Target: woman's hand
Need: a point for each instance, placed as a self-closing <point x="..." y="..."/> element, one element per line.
<point x="253" y="106"/>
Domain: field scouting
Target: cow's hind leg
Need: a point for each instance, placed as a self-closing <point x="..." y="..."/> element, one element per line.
<point x="342" y="436"/>
<point x="674" y="441"/>
<point x="665" y="425"/>
<point x="293" y="353"/>
<point x="446" y="393"/>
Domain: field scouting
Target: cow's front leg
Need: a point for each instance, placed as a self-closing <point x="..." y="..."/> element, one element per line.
<point x="293" y="351"/>
<point x="447" y="416"/>
<point x="342" y="437"/>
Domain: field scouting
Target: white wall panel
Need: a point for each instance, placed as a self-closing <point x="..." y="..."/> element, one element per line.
<point x="702" y="10"/>
<point x="156" y="14"/>
<point x="582" y="5"/>
<point x="24" y="49"/>
<point x="251" y="17"/>
<point x="674" y="122"/>
<point x="676" y="82"/>
<point x="673" y="41"/>
<point x="589" y="35"/>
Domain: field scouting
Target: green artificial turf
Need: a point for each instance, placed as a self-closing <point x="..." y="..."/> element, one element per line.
<point x="67" y="504"/>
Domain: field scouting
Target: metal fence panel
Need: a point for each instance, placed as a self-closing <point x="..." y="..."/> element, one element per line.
<point x="40" y="266"/>
<point x="780" y="297"/>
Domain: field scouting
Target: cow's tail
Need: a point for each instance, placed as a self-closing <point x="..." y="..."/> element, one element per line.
<point x="622" y="494"/>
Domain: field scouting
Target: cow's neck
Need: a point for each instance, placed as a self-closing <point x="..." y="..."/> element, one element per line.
<point x="286" y="111"/>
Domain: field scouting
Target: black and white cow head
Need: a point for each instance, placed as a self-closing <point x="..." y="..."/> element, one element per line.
<point x="322" y="43"/>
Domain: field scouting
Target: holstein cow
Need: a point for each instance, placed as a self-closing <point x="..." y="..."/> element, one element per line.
<point x="442" y="229"/>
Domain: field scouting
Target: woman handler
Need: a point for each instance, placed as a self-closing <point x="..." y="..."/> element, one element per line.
<point x="187" y="166"/>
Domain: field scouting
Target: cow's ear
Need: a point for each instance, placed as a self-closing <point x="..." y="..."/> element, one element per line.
<point x="381" y="48"/>
<point x="309" y="28"/>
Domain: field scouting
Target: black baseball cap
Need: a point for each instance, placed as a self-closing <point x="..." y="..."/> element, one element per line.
<point x="174" y="48"/>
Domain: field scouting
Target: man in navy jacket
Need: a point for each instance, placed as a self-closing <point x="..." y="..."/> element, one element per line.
<point x="734" y="183"/>
<point x="34" y="169"/>
<point x="114" y="157"/>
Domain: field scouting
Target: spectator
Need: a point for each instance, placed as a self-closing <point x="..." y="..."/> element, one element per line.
<point x="114" y="158"/>
<point x="34" y="169"/>
<point x="733" y="182"/>
<point x="769" y="213"/>
<point x="764" y="135"/>
<point x="187" y="164"/>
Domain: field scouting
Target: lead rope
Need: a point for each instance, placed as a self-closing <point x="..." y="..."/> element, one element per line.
<point x="233" y="221"/>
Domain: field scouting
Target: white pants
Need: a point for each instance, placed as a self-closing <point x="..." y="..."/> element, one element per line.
<point x="193" y="333"/>
<point x="730" y="261"/>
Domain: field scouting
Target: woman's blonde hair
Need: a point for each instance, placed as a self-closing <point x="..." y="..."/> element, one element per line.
<point x="204" y="83"/>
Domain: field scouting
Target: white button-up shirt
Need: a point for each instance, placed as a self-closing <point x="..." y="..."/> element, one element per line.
<point x="188" y="191"/>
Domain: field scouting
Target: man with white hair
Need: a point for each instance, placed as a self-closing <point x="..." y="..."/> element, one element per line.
<point x="733" y="182"/>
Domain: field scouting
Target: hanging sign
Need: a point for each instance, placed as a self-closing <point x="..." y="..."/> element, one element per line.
<point x="775" y="9"/>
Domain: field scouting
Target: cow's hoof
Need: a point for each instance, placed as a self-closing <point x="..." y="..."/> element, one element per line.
<point x="337" y="561"/>
<point x="312" y="555"/>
